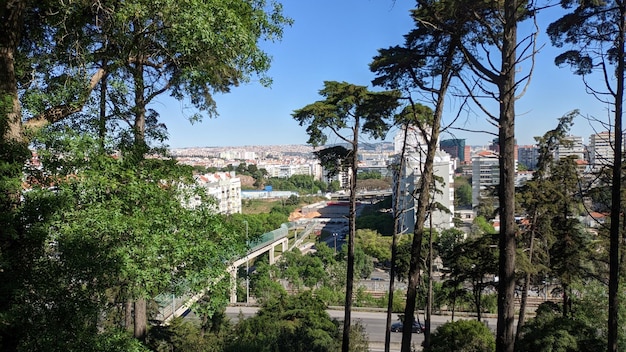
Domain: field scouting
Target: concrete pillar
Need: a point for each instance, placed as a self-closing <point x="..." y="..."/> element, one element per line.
<point x="233" y="284"/>
<point x="272" y="260"/>
<point x="285" y="244"/>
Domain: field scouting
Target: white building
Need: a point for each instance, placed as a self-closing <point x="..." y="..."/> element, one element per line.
<point x="575" y="148"/>
<point x="225" y="187"/>
<point x="485" y="174"/>
<point x="601" y="150"/>
<point x="443" y="169"/>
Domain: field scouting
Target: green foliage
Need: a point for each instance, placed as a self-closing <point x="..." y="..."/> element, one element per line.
<point x="481" y="226"/>
<point x="363" y="263"/>
<point x="462" y="336"/>
<point x="374" y="245"/>
<point x="303" y="184"/>
<point x="262" y="285"/>
<point x="473" y="262"/>
<point x="287" y="323"/>
<point x="116" y="341"/>
<point x="343" y="103"/>
<point x="550" y="331"/>
<point x="462" y="192"/>
<point x="334" y="186"/>
<point x="381" y="222"/>
<point x="369" y="175"/>
<point x="121" y="229"/>
<point x="358" y="338"/>
<point x="182" y="335"/>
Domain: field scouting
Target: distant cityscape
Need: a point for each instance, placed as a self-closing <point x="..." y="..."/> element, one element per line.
<point x="453" y="159"/>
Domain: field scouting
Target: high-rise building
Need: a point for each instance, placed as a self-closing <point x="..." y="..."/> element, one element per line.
<point x="601" y="150"/>
<point x="528" y="156"/>
<point x="454" y="147"/>
<point x="443" y="169"/>
<point x="485" y="174"/>
<point x="573" y="147"/>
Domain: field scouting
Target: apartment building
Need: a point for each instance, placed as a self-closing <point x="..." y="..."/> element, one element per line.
<point x="410" y="175"/>
<point x="528" y="156"/>
<point x="574" y="147"/>
<point x="485" y="174"/>
<point x="225" y="188"/>
<point x="601" y="150"/>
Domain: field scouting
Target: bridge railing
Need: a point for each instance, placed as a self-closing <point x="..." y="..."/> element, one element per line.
<point x="168" y="303"/>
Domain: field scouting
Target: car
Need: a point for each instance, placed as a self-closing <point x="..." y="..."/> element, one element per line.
<point x="417" y="327"/>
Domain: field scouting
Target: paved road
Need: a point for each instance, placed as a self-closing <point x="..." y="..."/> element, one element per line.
<point x="374" y="323"/>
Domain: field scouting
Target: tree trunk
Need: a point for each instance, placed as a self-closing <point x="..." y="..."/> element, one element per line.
<point x="429" y="297"/>
<point x="128" y="315"/>
<point x="10" y="110"/>
<point x="416" y="246"/>
<point x="345" y="345"/>
<point x="397" y="212"/>
<point x="565" y="301"/>
<point x="505" y="338"/>
<point x="477" y="302"/>
<point x="616" y="206"/>
<point x="140" y="319"/>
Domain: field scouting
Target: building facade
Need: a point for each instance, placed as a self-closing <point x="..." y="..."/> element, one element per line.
<point x="225" y="188"/>
<point x="528" y="156"/>
<point x="485" y="174"/>
<point x="574" y="147"/>
<point x="410" y="175"/>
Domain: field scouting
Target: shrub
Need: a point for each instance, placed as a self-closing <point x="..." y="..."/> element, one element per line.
<point x="462" y="336"/>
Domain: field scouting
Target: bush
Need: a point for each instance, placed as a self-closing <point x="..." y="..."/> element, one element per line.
<point x="462" y="336"/>
<point x="550" y="331"/>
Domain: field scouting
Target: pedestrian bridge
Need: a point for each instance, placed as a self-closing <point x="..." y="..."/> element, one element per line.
<point x="171" y="306"/>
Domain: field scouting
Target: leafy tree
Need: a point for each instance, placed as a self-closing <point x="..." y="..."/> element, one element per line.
<point x="595" y="34"/>
<point x="374" y="245"/>
<point x="472" y="262"/>
<point x="428" y="61"/>
<point x="334" y="186"/>
<point x="551" y="331"/>
<point x="287" y="323"/>
<point x="462" y="336"/>
<point x="379" y="222"/>
<point x="482" y="27"/>
<point x="40" y="42"/>
<point x="354" y="109"/>
<point x="462" y="192"/>
<point x="537" y="198"/>
<point x="262" y="283"/>
<point x="368" y="175"/>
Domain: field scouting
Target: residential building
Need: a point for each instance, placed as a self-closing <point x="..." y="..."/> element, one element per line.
<point x="485" y="174"/>
<point x="225" y="188"/>
<point x="528" y="156"/>
<point x="574" y="147"/>
<point x="443" y="169"/>
<point x="601" y="149"/>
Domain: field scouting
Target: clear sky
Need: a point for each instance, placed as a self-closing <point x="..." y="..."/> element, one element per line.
<point x="336" y="40"/>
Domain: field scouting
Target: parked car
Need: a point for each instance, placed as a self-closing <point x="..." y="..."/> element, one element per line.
<point x="417" y="327"/>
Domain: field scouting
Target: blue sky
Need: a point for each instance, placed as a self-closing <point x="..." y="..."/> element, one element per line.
<point x="336" y="40"/>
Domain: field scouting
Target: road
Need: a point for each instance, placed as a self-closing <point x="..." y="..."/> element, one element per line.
<point x="374" y="323"/>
